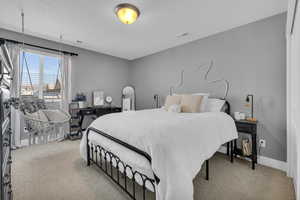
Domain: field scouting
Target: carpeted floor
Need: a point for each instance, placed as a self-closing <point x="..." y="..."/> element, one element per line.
<point x="55" y="171"/>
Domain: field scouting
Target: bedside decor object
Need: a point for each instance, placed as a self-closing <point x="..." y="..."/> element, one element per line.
<point x="239" y="116"/>
<point x="128" y="98"/>
<point x="242" y="116"/>
<point x="82" y="104"/>
<point x="127" y="13"/>
<point x="250" y="104"/>
<point x="98" y="98"/>
<point x="108" y="100"/>
<point x="81" y="99"/>
<point x="246" y="146"/>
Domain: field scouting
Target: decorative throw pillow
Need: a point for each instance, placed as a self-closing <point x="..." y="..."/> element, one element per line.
<point x="204" y="100"/>
<point x="175" y="108"/>
<point x="171" y="100"/>
<point x="191" y="103"/>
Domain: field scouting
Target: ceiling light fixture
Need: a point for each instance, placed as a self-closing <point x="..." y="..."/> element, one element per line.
<point x="127" y="13"/>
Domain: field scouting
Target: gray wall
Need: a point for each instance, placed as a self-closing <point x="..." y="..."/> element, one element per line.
<point x="90" y="70"/>
<point x="251" y="57"/>
<point x="94" y="71"/>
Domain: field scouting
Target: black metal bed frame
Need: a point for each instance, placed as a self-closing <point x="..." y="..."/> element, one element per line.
<point x="123" y="174"/>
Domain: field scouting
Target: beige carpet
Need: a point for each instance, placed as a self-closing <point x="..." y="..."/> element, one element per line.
<point x="56" y="172"/>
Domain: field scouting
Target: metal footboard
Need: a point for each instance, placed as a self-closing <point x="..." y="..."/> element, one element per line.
<point x="136" y="184"/>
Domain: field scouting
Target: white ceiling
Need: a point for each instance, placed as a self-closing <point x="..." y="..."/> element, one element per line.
<point x="157" y="29"/>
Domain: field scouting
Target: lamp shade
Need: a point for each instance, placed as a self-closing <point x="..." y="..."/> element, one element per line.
<point x="127" y="13"/>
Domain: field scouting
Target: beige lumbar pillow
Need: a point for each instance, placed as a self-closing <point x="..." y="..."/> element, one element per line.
<point x="171" y="100"/>
<point x="191" y="103"/>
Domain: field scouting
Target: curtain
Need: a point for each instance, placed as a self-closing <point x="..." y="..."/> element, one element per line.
<point x="16" y="122"/>
<point x="66" y="67"/>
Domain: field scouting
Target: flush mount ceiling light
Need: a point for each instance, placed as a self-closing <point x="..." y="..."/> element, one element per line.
<point x="127" y="13"/>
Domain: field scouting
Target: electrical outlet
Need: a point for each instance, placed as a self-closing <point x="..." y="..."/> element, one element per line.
<point x="262" y="143"/>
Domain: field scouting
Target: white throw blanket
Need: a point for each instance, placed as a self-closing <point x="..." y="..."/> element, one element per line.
<point x="178" y="143"/>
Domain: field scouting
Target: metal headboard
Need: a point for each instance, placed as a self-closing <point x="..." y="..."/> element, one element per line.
<point x="209" y="66"/>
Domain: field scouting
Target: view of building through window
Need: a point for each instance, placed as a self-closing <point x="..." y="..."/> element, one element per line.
<point x="41" y="76"/>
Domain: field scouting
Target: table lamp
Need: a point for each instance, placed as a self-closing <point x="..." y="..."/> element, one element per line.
<point x="250" y="98"/>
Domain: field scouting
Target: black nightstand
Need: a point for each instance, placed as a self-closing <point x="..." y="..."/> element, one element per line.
<point x="247" y="127"/>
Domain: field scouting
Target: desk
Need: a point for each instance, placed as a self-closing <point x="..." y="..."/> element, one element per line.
<point x="78" y="114"/>
<point x="95" y="111"/>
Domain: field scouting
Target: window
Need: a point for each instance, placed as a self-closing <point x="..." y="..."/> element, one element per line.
<point x="41" y="76"/>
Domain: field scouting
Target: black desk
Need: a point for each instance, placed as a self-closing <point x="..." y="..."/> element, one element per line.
<point x="95" y="111"/>
<point x="247" y="127"/>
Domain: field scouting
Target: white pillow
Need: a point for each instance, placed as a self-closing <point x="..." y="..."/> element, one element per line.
<point x="214" y="105"/>
<point x="174" y="108"/>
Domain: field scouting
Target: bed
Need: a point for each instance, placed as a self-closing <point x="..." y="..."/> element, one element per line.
<point x="160" y="151"/>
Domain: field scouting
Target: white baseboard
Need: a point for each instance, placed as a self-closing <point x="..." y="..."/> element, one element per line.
<point x="269" y="162"/>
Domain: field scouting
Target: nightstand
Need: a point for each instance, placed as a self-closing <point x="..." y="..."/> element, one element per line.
<point x="250" y="128"/>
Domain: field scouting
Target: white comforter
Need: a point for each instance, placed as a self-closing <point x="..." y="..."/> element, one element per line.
<point x="178" y="143"/>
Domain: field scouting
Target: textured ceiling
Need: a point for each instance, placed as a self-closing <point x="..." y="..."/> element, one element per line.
<point x="157" y="29"/>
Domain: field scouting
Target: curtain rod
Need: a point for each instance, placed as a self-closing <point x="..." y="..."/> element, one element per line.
<point x="3" y="40"/>
<point x="294" y="16"/>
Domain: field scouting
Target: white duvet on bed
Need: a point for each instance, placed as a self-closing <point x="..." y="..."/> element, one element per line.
<point x="178" y="144"/>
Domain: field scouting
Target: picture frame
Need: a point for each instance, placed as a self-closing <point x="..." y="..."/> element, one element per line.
<point x="98" y="98"/>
